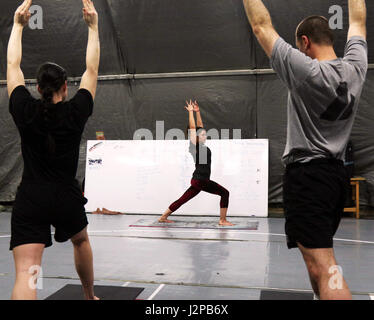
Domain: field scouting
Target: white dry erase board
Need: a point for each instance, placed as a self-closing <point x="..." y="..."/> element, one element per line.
<point x="146" y="176"/>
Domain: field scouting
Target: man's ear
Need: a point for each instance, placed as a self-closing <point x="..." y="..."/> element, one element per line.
<point x="39" y="90"/>
<point x="306" y="42"/>
<point x="65" y="86"/>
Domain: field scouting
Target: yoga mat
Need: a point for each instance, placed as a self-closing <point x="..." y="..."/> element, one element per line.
<point x="285" y="295"/>
<point x="193" y="223"/>
<point x="74" y="292"/>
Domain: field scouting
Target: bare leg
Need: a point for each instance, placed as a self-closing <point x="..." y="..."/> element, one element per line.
<point x="223" y="221"/>
<point x="84" y="263"/>
<point x="164" y="217"/>
<point x="25" y="257"/>
<point x="314" y="286"/>
<point x="327" y="285"/>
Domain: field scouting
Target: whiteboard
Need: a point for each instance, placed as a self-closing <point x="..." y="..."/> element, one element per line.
<point x="146" y="176"/>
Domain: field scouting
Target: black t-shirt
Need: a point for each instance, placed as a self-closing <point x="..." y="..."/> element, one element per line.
<point x="203" y="159"/>
<point x="65" y="130"/>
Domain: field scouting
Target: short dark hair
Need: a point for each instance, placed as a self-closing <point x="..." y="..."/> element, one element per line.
<point x="317" y="29"/>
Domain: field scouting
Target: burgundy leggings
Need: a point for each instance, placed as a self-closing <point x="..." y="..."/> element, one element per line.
<point x="202" y="185"/>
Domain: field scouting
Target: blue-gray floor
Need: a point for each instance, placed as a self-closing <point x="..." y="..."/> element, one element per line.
<point x="196" y="263"/>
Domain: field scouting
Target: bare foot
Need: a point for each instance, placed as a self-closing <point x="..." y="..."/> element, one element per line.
<point x="225" y="223"/>
<point x="98" y="211"/>
<point x="163" y="220"/>
<point x="94" y="298"/>
<point x="106" y="211"/>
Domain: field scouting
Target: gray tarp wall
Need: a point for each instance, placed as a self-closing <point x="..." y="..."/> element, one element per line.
<point x="165" y="36"/>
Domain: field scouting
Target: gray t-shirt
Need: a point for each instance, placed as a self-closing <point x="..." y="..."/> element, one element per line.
<point x="323" y="99"/>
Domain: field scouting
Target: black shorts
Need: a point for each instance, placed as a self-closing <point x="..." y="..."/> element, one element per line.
<point x="40" y="205"/>
<point x="314" y="195"/>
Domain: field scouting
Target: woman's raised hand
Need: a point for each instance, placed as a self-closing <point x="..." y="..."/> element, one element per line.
<point x="22" y="15"/>
<point x="196" y="107"/>
<point x="89" y="13"/>
<point x="190" y="106"/>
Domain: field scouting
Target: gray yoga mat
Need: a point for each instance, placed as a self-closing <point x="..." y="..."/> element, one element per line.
<point x="74" y="292"/>
<point x="198" y="223"/>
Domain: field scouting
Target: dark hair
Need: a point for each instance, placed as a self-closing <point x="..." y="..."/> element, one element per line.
<point x="51" y="77"/>
<point x="317" y="29"/>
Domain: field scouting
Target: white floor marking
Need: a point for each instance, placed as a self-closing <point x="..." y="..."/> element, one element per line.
<point x="358" y="241"/>
<point x="211" y="231"/>
<point x="156" y="292"/>
<point x="215" y="231"/>
<point x="125" y="284"/>
<point x="185" y="231"/>
<point x="371" y="296"/>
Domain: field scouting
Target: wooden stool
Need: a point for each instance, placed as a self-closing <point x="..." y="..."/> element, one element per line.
<point x="355" y="183"/>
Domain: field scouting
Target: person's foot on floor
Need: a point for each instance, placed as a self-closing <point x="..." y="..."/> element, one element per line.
<point x="94" y="298"/>
<point x="165" y="220"/>
<point x="98" y="211"/>
<point x="225" y="223"/>
<point x="106" y="211"/>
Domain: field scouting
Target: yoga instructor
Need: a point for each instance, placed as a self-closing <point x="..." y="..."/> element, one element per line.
<point x="202" y="156"/>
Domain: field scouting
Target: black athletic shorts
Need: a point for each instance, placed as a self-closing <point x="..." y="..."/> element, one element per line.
<point x="314" y="196"/>
<point x="40" y="205"/>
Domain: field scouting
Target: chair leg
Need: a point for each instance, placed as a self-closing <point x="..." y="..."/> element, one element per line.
<point x="357" y="201"/>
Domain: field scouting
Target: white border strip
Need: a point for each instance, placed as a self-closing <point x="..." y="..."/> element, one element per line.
<point x="212" y="231"/>
<point x="371" y="295"/>
<point x="156" y="292"/>
<point x="215" y="231"/>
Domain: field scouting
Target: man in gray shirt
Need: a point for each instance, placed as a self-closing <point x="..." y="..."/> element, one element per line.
<point x="324" y="93"/>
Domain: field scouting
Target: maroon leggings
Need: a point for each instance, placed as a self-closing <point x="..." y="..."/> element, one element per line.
<point x="202" y="185"/>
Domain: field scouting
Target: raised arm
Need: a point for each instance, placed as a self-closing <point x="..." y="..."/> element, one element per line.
<point x="199" y="121"/>
<point x="89" y="78"/>
<point x="191" y="121"/>
<point x="15" y="75"/>
<point x="357" y="18"/>
<point x="262" y="27"/>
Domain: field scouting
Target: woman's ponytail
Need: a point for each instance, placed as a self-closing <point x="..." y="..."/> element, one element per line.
<point x="51" y="77"/>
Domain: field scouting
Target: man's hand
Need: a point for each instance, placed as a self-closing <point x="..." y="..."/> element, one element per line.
<point x="22" y="15"/>
<point x="90" y="14"/>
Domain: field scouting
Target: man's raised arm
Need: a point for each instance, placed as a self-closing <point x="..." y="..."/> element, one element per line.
<point x="15" y="75"/>
<point x="89" y="78"/>
<point x="262" y="27"/>
<point x="357" y="18"/>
